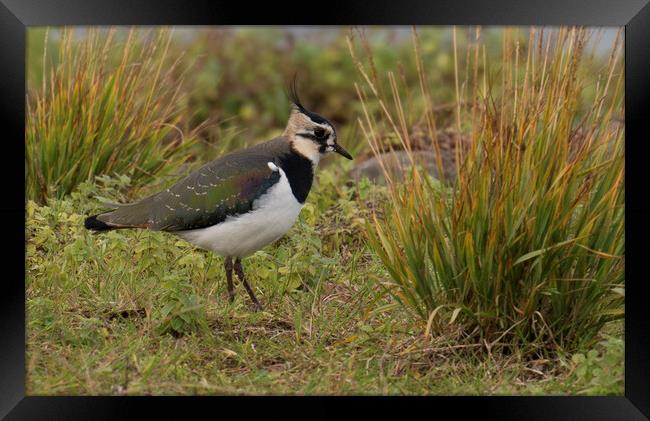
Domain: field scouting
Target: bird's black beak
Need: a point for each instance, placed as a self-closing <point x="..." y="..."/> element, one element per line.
<point x="339" y="149"/>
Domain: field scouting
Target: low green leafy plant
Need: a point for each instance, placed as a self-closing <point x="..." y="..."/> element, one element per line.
<point x="180" y="311"/>
<point x="599" y="371"/>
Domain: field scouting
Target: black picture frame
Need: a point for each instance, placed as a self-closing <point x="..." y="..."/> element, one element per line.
<point x="17" y="15"/>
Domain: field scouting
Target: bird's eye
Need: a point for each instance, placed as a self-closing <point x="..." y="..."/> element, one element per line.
<point x="320" y="133"/>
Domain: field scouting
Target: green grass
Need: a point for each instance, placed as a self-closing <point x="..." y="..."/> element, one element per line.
<point x="101" y="311"/>
<point x="527" y="250"/>
<point x="106" y="106"/>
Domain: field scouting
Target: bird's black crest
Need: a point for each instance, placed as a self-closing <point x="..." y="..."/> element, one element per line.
<point x="292" y="93"/>
<point x="295" y="99"/>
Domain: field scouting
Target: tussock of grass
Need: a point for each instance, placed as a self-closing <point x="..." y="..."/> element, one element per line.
<point x="527" y="249"/>
<point x="107" y="107"/>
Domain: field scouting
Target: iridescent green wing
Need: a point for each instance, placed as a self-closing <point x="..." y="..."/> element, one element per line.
<point x="227" y="186"/>
<point x="222" y="188"/>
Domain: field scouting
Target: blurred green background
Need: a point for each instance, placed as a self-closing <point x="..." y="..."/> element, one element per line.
<point x="232" y="81"/>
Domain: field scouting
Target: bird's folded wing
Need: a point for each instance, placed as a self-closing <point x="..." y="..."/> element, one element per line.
<point x="226" y="187"/>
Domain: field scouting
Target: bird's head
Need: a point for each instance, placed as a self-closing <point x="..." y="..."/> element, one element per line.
<point x="310" y="134"/>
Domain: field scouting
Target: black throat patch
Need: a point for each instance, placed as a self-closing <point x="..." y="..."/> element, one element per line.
<point x="300" y="173"/>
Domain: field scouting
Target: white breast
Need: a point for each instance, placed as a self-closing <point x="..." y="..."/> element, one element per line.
<point x="272" y="215"/>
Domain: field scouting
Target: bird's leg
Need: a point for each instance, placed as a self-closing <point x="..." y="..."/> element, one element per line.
<point x="231" y="288"/>
<point x="242" y="278"/>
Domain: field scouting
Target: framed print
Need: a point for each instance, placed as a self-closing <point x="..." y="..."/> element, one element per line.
<point x="422" y="201"/>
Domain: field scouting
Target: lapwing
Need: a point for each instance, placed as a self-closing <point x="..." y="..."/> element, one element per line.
<point x="240" y="202"/>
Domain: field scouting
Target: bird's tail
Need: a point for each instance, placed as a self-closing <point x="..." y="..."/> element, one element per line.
<point x="94" y="224"/>
<point x="130" y="215"/>
<point x="110" y="221"/>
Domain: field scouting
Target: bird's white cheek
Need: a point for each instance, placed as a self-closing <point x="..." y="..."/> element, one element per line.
<point x="307" y="148"/>
<point x="330" y="149"/>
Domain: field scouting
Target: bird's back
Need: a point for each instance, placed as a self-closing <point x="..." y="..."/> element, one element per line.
<point x="224" y="187"/>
